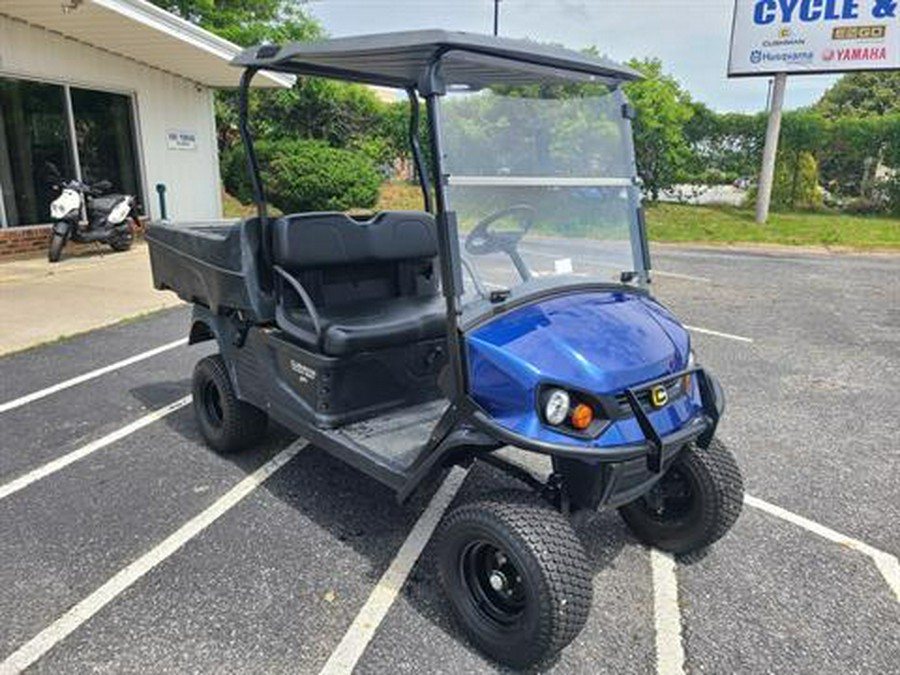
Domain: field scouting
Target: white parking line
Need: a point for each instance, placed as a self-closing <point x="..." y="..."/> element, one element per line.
<point x="49" y="468"/>
<point x="34" y="396"/>
<point x="716" y="333"/>
<point x="887" y="564"/>
<point x="53" y="634"/>
<point x="345" y="657"/>
<point x="679" y="275"/>
<point x="666" y="615"/>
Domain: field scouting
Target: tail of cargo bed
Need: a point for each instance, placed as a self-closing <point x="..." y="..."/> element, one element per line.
<point x="211" y="263"/>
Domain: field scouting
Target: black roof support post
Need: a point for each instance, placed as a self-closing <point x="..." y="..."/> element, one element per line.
<point x="416" y="145"/>
<point x="259" y="195"/>
<point x="448" y="239"/>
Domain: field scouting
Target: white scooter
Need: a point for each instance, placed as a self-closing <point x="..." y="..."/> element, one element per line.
<point x="83" y="213"/>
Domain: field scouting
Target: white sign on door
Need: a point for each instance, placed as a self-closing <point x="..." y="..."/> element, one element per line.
<point x="181" y="140"/>
<point x="814" y="36"/>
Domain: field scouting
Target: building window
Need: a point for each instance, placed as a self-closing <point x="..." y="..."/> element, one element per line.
<point x="37" y="121"/>
<point x="34" y="136"/>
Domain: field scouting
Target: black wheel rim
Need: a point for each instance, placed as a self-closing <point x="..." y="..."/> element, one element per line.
<point x="493" y="583"/>
<point x="212" y="404"/>
<point x="673" y="498"/>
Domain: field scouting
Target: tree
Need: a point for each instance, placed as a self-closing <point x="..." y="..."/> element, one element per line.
<point x="862" y="95"/>
<point x="247" y="22"/>
<point x="663" y="109"/>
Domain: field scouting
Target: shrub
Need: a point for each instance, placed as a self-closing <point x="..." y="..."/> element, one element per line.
<point x="316" y="177"/>
<point x="795" y="184"/>
<point x="885" y="195"/>
<point x="305" y="175"/>
<point x="892" y="191"/>
<point x="864" y="206"/>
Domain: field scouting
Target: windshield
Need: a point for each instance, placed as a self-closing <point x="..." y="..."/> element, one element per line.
<point x="542" y="182"/>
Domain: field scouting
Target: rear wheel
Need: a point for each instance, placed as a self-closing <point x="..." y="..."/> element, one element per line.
<point x="516" y="577"/>
<point x="693" y="505"/>
<point x="57" y="243"/>
<point x="227" y="423"/>
<point x="122" y="242"/>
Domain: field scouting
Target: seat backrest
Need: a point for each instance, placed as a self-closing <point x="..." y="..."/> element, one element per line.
<point x="317" y="240"/>
<point x="341" y="260"/>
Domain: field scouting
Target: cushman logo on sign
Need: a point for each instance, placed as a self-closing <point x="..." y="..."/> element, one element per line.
<point x="835" y="35"/>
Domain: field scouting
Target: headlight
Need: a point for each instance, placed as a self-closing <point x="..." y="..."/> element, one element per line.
<point x="556" y="406"/>
<point x="691" y="359"/>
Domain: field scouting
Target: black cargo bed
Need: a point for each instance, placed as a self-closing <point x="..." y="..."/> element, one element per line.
<point x="211" y="263"/>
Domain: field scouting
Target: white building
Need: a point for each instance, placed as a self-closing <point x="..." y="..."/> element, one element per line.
<point x="109" y="89"/>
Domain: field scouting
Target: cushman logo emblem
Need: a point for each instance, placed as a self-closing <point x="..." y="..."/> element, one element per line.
<point x="659" y="396"/>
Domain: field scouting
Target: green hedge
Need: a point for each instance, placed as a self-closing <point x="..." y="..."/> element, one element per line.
<point x="305" y="175"/>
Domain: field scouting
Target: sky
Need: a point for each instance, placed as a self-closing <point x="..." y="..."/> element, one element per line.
<point x="689" y="36"/>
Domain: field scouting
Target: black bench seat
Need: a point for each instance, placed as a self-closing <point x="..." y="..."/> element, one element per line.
<point x="369" y="284"/>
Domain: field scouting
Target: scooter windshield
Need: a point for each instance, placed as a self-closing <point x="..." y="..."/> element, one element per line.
<point x="542" y="179"/>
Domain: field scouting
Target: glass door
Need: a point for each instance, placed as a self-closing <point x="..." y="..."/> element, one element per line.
<point x="105" y="135"/>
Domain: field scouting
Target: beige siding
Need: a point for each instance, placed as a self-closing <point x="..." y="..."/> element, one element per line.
<point x="163" y="101"/>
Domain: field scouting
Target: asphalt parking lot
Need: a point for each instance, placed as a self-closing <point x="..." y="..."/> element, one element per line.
<point x="127" y="546"/>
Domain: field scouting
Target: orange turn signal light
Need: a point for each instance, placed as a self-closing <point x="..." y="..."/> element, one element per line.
<point x="582" y="416"/>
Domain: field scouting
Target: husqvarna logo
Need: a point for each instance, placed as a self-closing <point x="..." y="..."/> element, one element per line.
<point x="659" y="396"/>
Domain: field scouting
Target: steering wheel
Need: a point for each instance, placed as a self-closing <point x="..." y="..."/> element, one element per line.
<point x="482" y="241"/>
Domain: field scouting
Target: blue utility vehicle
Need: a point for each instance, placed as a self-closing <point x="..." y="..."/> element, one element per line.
<point x="512" y="311"/>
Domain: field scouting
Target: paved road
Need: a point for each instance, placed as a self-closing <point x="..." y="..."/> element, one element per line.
<point x="273" y="584"/>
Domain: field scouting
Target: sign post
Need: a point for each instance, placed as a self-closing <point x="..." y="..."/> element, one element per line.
<point x="782" y="37"/>
<point x="767" y="172"/>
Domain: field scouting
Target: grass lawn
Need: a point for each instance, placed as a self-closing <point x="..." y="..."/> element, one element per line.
<point x="721" y="224"/>
<point x="233" y="209"/>
<point x="701" y="224"/>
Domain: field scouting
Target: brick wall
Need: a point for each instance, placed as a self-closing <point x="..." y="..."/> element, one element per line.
<point x="33" y="240"/>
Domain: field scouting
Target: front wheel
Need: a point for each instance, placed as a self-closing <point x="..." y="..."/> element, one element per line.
<point x="516" y="577"/>
<point x="228" y="424"/>
<point x="57" y="243"/>
<point x="693" y="505"/>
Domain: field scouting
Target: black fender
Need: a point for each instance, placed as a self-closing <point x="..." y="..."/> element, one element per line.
<point x="208" y="325"/>
<point x="227" y="331"/>
<point x="460" y="446"/>
<point x="200" y="332"/>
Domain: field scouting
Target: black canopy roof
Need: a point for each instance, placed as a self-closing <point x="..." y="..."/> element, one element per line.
<point x="402" y="59"/>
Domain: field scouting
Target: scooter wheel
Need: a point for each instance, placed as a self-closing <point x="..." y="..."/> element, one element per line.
<point x="121" y="244"/>
<point x="228" y="424"/>
<point x="57" y="242"/>
<point x="693" y="505"/>
<point x="123" y="241"/>
<point x="516" y="576"/>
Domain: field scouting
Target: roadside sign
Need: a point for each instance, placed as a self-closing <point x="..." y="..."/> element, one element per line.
<point x="814" y="36"/>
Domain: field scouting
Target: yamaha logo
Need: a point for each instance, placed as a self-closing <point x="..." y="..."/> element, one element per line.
<point x="659" y="396"/>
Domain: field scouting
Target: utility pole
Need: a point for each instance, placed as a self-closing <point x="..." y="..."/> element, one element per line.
<point x="496" y="17"/>
<point x="767" y="173"/>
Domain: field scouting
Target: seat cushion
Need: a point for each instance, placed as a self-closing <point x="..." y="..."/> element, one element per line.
<point x="377" y="324"/>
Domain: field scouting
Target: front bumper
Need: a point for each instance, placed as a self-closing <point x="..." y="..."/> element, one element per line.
<point x="613" y="476"/>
